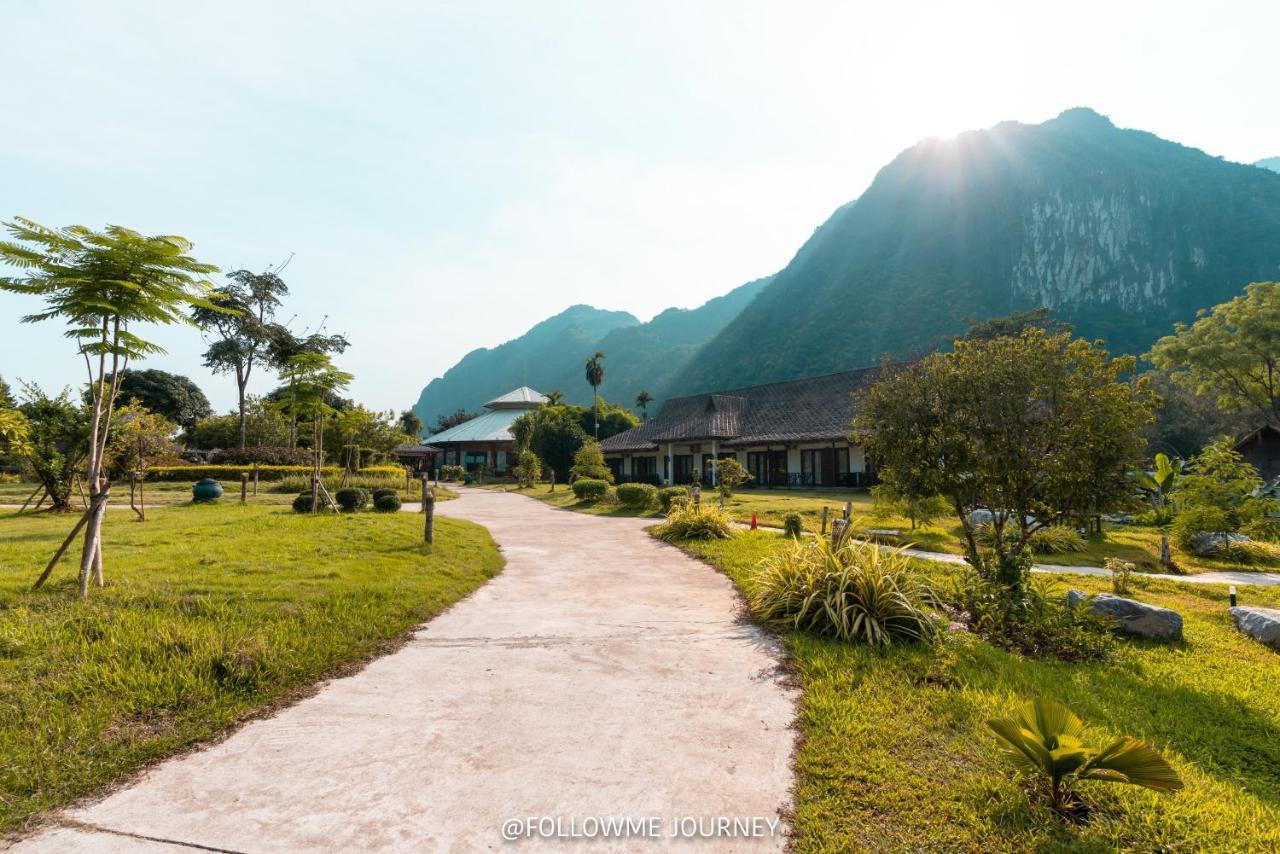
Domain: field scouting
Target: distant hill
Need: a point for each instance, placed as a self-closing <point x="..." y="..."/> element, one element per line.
<point x="1119" y="231"/>
<point x="552" y="355"/>
<point x="1272" y="163"/>
<point x="537" y="358"/>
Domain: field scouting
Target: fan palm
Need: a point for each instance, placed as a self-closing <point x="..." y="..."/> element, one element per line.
<point x="643" y="399"/>
<point x="595" y="376"/>
<point x="1046" y="738"/>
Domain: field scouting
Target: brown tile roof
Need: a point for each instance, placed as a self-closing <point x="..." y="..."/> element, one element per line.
<point x="813" y="409"/>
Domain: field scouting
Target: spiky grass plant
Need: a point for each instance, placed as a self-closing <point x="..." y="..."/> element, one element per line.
<point x="1046" y="740"/>
<point x="855" y="591"/>
<point x="695" y="522"/>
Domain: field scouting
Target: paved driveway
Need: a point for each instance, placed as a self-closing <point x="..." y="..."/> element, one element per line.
<point x="602" y="675"/>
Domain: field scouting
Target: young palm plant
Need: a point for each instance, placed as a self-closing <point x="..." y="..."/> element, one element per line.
<point x="1046" y="739"/>
<point x="1159" y="486"/>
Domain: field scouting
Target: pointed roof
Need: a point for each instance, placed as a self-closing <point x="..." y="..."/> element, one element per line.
<point x="521" y="398"/>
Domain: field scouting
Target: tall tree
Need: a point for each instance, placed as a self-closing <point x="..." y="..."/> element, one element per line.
<point x="554" y="397"/>
<point x="595" y="376"/>
<point x="313" y="378"/>
<point x="448" y="422"/>
<point x="102" y="283"/>
<point x="284" y="345"/>
<point x="1231" y="353"/>
<point x="240" y="323"/>
<point x="411" y="424"/>
<point x="6" y="396"/>
<point x="643" y="399"/>
<point x="171" y="396"/>
<point x="1037" y="427"/>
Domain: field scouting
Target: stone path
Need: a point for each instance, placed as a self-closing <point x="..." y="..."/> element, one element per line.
<point x="601" y="675"/>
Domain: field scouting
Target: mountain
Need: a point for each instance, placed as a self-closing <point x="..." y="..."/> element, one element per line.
<point x="1272" y="163"/>
<point x="552" y="355"/>
<point x="537" y="358"/>
<point x="1119" y="231"/>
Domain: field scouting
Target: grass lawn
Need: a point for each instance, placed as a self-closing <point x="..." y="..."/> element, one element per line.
<point x="211" y="614"/>
<point x="1139" y="545"/>
<point x="895" y="755"/>
<point x="165" y="493"/>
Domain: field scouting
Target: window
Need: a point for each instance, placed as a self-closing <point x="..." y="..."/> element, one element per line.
<point x="644" y="466"/>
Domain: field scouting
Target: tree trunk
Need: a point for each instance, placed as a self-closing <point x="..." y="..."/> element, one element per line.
<point x="240" y="386"/>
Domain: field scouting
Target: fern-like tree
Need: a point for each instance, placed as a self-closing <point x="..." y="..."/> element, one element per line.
<point x="643" y="399"/>
<point x="239" y="321"/>
<point x="103" y="284"/>
<point x="595" y="376"/>
<point x="554" y="398"/>
<point x="312" y="378"/>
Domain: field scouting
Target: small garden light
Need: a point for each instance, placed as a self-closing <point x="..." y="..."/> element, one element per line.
<point x="1231" y="592"/>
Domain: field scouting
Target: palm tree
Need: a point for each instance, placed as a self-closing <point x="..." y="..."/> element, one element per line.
<point x="595" y="376"/>
<point x="1046" y="738"/>
<point x="1159" y="485"/>
<point x="643" y="399"/>
<point x="555" y="398"/>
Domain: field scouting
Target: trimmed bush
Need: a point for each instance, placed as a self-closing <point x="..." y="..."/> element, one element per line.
<point x="590" y="488"/>
<point x="1057" y="539"/>
<point x="302" y="504"/>
<point x="671" y="495"/>
<point x="351" y="499"/>
<point x="384" y="490"/>
<point x="263" y="455"/>
<point x="452" y="474"/>
<point x="270" y="473"/>
<point x="388" y="503"/>
<point x="637" y="495"/>
<point x="855" y="591"/>
<point x="793" y="525"/>
<point x="686" y="522"/>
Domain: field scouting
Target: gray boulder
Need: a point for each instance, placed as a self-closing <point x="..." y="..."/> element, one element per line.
<point x="1075" y="597"/>
<point x="1210" y="543"/>
<point x="1261" y="624"/>
<point x="1139" y="618"/>
<point x="978" y="518"/>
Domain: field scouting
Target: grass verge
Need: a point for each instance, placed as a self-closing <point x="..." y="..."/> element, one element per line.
<point x="212" y="614"/>
<point x="895" y="755"/>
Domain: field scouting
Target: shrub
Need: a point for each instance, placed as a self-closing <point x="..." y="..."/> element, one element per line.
<point x="886" y="502"/>
<point x="1046" y="740"/>
<point x="384" y="490"/>
<point x="1193" y="522"/>
<point x="854" y="591"/>
<point x="452" y="474"/>
<point x="669" y="496"/>
<point x="1266" y="528"/>
<point x="302" y="504"/>
<point x="528" y="470"/>
<point x="387" y="503"/>
<point x="588" y="462"/>
<point x="1034" y="622"/>
<point x="730" y="475"/>
<point x="793" y="525"/>
<point x="686" y="522"/>
<point x="590" y="488"/>
<point x="351" y="499"/>
<point x="1056" y="539"/>
<point x="636" y="495"/>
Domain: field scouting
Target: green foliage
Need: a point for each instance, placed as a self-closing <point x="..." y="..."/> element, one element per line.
<point x="528" y="470"/>
<point x="1161" y="483"/>
<point x="1039" y="424"/>
<point x="590" y="488"/>
<point x="196" y="472"/>
<point x="730" y="474"/>
<point x="921" y="511"/>
<point x="690" y="522"/>
<point x="1196" y="520"/>
<point x="1037" y="623"/>
<point x="381" y="491"/>
<point x="613" y="419"/>
<point x="643" y="399"/>
<point x="1057" y="539"/>
<point x="351" y="499"/>
<point x="1265" y="528"/>
<point x="172" y="396"/>
<point x="793" y="525"/>
<point x="553" y="433"/>
<point x="670" y="496"/>
<point x="386" y="503"/>
<point x="1221" y="478"/>
<point x="588" y="461"/>
<point x="303" y="504"/>
<point x="57" y="442"/>
<point x="7" y="400"/>
<point x="595" y="372"/>
<point x="448" y="422"/>
<point x="452" y="474"/>
<point x="411" y="424"/>
<point x="263" y="455"/>
<point x="137" y="437"/>
<point x="265" y="426"/>
<point x="1230" y="353"/>
<point x="853" y="591"/>
<point x="1044" y="739"/>
<point x="637" y="495"/>
<point x="1121" y="572"/>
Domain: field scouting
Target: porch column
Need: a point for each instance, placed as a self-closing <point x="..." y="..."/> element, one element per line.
<point x="671" y="472"/>
<point x="715" y="464"/>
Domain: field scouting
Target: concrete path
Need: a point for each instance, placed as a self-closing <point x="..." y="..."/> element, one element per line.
<point x="602" y="675"/>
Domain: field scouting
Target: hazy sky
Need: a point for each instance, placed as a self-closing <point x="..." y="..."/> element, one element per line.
<point x="448" y="174"/>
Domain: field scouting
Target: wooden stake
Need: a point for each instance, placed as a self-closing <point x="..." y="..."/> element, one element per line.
<point x="244" y="486"/>
<point x="429" y="512"/>
<point x="824" y="520"/>
<point x="255" y="480"/>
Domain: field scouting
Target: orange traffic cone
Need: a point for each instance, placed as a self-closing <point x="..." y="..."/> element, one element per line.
<point x="753" y="521"/>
